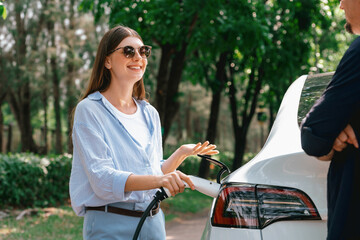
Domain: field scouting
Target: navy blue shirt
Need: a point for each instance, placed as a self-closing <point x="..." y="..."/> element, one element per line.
<point x="338" y="106"/>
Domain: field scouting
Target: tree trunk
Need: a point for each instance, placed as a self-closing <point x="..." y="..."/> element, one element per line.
<point x="171" y="101"/>
<point x="189" y="133"/>
<point x="161" y="86"/>
<point x="9" y="138"/>
<point x="216" y="88"/>
<point x="169" y="80"/>
<point x="70" y="82"/>
<point x="45" y="128"/>
<point x="56" y="90"/>
<point x="251" y="97"/>
<point x="20" y="93"/>
<point x="21" y="101"/>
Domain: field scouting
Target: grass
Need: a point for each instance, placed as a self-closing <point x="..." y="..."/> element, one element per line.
<point x="62" y="223"/>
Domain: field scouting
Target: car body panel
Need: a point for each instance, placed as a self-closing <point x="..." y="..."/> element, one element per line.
<point x="283" y="163"/>
<point x="299" y="230"/>
<point x="235" y="233"/>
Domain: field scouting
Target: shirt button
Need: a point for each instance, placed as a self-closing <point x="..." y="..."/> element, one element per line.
<point x="148" y="165"/>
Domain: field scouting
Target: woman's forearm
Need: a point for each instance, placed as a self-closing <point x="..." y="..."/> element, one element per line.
<point x="174" y="161"/>
<point x="141" y="182"/>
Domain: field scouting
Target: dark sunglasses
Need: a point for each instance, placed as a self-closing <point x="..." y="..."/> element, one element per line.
<point x="129" y="51"/>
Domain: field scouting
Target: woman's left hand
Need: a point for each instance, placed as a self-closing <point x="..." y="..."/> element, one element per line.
<point x="193" y="149"/>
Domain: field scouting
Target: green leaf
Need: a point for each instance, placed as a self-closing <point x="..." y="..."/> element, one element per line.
<point x="3" y="11"/>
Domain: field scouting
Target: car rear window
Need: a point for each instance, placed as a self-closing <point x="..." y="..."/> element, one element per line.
<point x="313" y="88"/>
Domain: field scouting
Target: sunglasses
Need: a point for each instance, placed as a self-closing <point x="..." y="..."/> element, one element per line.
<point x="129" y="51"/>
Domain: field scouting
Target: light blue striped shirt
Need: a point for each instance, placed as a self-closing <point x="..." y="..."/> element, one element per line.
<point x="105" y="154"/>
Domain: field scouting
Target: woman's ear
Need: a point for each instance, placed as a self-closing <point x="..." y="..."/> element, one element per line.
<point x="107" y="63"/>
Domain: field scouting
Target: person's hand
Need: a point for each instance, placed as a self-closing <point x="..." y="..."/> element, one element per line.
<point x="328" y="156"/>
<point x="347" y="136"/>
<point x="174" y="182"/>
<point x="193" y="149"/>
<point x="186" y="150"/>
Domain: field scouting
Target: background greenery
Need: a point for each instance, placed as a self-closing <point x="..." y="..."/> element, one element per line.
<point x="28" y="180"/>
<point x="218" y="71"/>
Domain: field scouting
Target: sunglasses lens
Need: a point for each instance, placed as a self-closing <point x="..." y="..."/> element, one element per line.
<point x="129" y="52"/>
<point x="145" y="51"/>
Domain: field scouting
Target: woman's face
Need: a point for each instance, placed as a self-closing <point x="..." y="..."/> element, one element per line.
<point x="128" y="70"/>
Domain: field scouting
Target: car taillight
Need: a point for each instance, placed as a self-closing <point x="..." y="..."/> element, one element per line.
<point x="257" y="206"/>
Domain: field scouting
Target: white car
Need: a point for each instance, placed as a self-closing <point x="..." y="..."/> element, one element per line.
<point x="281" y="192"/>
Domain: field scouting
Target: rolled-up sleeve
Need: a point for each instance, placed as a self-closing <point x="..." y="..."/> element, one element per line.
<point x="314" y="145"/>
<point x="94" y="155"/>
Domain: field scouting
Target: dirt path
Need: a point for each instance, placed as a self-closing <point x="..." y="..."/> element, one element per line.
<point x="189" y="227"/>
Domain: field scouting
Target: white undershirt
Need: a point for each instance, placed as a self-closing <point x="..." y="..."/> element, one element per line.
<point x="134" y="123"/>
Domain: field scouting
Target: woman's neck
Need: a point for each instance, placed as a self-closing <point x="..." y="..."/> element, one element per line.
<point x="121" y="98"/>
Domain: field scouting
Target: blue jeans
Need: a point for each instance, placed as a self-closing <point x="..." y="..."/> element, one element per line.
<point x="104" y="225"/>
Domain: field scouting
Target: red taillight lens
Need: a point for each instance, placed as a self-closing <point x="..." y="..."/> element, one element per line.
<point x="256" y="206"/>
<point x="236" y="206"/>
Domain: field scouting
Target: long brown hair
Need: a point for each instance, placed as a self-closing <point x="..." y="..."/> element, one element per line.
<point x="100" y="76"/>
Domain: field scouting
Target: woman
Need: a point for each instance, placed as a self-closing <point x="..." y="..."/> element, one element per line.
<point x="117" y="152"/>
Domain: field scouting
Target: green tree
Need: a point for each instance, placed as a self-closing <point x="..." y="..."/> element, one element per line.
<point x="25" y="32"/>
<point x="167" y="24"/>
<point x="48" y="50"/>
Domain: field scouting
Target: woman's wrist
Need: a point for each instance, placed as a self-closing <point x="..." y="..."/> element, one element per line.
<point x="182" y="152"/>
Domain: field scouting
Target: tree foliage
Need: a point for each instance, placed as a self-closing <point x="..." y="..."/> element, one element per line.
<point x="246" y="51"/>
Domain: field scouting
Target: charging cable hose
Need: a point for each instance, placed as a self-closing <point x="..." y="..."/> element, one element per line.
<point x="159" y="196"/>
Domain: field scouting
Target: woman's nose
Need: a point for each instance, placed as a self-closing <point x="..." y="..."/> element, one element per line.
<point x="137" y="54"/>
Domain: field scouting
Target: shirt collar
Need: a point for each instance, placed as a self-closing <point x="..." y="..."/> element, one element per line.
<point x="96" y="96"/>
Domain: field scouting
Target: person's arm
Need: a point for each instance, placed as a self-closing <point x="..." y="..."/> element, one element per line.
<point x="334" y="110"/>
<point x="173" y="181"/>
<point x="186" y="150"/>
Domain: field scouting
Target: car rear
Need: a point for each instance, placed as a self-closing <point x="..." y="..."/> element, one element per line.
<point x="281" y="193"/>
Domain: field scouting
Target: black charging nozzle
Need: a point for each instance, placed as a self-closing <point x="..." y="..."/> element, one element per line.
<point x="223" y="167"/>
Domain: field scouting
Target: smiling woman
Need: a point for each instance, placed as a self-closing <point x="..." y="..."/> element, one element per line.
<point x="117" y="158"/>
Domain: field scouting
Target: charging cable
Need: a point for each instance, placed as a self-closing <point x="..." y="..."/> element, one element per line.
<point x="159" y="196"/>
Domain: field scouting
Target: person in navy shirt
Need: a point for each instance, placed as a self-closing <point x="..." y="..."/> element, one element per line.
<point x="331" y="131"/>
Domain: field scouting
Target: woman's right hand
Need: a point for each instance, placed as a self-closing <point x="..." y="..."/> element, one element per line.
<point x="174" y="182"/>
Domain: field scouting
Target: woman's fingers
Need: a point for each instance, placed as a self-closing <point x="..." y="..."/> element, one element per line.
<point x="207" y="149"/>
<point x="211" y="152"/>
<point x="185" y="178"/>
<point x="202" y="147"/>
<point x="173" y="182"/>
<point x="197" y="146"/>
